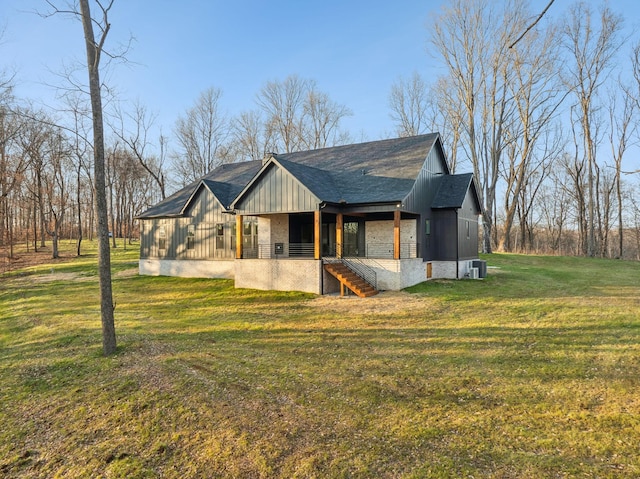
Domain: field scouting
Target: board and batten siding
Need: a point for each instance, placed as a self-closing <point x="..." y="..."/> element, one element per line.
<point x="468" y="228"/>
<point x="203" y="215"/>
<point x="421" y="197"/>
<point x="444" y="235"/>
<point x="277" y="191"/>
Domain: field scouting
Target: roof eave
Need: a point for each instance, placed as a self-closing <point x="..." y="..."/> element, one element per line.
<point x="232" y="205"/>
<point x="271" y="161"/>
<point x="155" y="217"/>
<point x="194" y="194"/>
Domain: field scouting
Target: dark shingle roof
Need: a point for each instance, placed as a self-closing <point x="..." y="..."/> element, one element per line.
<point x="225" y="182"/>
<point x="372" y="172"/>
<point x="394" y="158"/>
<point x="318" y="181"/>
<point x="452" y="191"/>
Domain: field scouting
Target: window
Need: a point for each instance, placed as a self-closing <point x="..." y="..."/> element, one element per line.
<point x="427" y="233"/>
<point x="219" y="236"/>
<point x="191" y="236"/>
<point x="162" y="238"/>
<point x="350" y="236"/>
<point x="468" y="229"/>
<point x="232" y="226"/>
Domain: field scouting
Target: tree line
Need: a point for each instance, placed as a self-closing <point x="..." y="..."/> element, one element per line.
<point x="46" y="159"/>
<point x="544" y="115"/>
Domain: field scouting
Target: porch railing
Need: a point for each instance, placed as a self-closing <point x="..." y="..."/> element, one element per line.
<point x="306" y="250"/>
<point x="279" y="250"/>
<point x="385" y="250"/>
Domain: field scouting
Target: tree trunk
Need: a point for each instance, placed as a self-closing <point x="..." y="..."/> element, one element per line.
<point x="104" y="254"/>
<point x="55" y="251"/>
<point x="79" y="200"/>
<point x="620" y="223"/>
<point x="486" y="236"/>
<point x="35" y="225"/>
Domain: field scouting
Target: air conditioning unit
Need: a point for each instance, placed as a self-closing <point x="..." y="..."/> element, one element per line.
<point x="473" y="273"/>
<point x="482" y="267"/>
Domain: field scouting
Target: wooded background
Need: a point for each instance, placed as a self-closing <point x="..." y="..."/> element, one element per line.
<point x="546" y="116"/>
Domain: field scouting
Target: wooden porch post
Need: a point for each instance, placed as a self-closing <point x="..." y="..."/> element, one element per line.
<point x="317" y="232"/>
<point x="396" y="234"/>
<point x="239" y="241"/>
<point x="339" y="235"/>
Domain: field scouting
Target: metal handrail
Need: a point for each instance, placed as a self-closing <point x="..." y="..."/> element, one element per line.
<point x="306" y="250"/>
<point x="281" y="250"/>
<point x="364" y="271"/>
<point x="354" y="263"/>
<point x="386" y="250"/>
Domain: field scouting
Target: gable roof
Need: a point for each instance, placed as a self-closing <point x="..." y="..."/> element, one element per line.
<point x="225" y="182"/>
<point x="372" y="172"/>
<point x="394" y="158"/>
<point x="382" y="171"/>
<point x="453" y="190"/>
<point x="318" y="181"/>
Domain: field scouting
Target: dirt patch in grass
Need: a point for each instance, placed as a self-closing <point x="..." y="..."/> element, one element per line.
<point x="25" y="259"/>
<point x="127" y="273"/>
<point x="384" y="302"/>
<point x="54" y="276"/>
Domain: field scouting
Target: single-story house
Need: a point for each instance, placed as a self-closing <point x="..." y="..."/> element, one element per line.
<point x="381" y="215"/>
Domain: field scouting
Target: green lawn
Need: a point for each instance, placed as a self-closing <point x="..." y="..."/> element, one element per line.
<point x="531" y="373"/>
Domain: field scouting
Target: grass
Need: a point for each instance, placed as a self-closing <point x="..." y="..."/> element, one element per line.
<point x="530" y="373"/>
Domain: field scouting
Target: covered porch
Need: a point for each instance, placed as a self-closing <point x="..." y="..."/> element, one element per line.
<point x="292" y="250"/>
<point x="328" y="234"/>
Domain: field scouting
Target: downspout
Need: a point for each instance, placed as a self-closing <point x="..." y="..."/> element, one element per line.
<point x="457" y="247"/>
<point x="317" y="239"/>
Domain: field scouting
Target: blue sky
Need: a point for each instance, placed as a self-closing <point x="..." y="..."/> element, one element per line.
<point x="354" y="49"/>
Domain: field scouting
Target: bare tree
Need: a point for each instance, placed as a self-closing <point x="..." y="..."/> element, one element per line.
<point x="473" y="38"/>
<point x="409" y="105"/>
<point x="554" y="203"/>
<point x="55" y="187"/>
<point x="12" y="168"/>
<point x="80" y="146"/>
<point x="622" y="110"/>
<point x="136" y="138"/>
<point x="33" y="142"/>
<point x="532" y="140"/>
<point x="634" y="92"/>
<point x="322" y="117"/>
<point x="95" y="50"/>
<point x="298" y="116"/>
<point x="283" y="103"/>
<point x="592" y="45"/>
<point x="252" y="136"/>
<point x="202" y="135"/>
<point x="445" y="115"/>
<point x="576" y="168"/>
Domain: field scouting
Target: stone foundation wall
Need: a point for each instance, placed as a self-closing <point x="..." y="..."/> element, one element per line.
<point x="187" y="268"/>
<point x="279" y="274"/>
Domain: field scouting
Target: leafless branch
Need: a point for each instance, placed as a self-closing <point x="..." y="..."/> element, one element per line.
<point x="532" y="25"/>
<point x="101" y="23"/>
